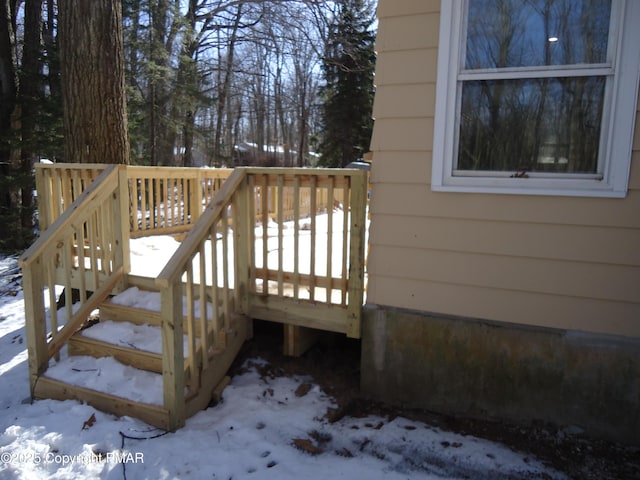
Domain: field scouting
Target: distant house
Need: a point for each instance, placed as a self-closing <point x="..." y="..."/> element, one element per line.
<point x="247" y="153"/>
<point x="504" y="266"/>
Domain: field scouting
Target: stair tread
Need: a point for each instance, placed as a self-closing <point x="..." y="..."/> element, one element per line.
<point x="135" y="298"/>
<point x="108" y="376"/>
<point x="145" y="338"/>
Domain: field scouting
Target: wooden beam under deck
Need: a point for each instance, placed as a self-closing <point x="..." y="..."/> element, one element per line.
<point x="303" y="313"/>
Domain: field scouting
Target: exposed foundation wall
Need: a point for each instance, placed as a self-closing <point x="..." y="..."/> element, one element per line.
<point x="486" y="369"/>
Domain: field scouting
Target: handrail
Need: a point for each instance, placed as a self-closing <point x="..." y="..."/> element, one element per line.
<point x="98" y="190"/>
<point x="207" y="313"/>
<point x="86" y="248"/>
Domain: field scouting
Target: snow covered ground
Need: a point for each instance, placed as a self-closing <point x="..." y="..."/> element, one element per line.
<point x="265" y="428"/>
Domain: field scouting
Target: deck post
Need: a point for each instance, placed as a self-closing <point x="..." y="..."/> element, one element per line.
<point x="197" y="197"/>
<point x="357" y="228"/>
<point x="122" y="223"/>
<point x="173" y="355"/>
<point x="43" y="180"/>
<point x="36" y="325"/>
<point x="242" y="224"/>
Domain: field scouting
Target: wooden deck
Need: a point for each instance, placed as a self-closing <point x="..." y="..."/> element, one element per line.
<point x="239" y="259"/>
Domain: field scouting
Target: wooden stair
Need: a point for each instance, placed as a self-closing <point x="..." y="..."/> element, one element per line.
<point x="210" y="382"/>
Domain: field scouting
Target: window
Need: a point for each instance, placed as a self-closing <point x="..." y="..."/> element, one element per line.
<point x="536" y="96"/>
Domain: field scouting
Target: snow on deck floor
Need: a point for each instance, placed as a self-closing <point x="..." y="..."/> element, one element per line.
<point x="149" y="255"/>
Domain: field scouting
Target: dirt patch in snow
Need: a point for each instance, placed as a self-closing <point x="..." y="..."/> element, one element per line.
<point x="334" y="361"/>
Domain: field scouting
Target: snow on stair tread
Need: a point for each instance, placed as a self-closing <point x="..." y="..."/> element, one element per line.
<point x="107" y="375"/>
<point x="137" y="337"/>
<point x="133" y="297"/>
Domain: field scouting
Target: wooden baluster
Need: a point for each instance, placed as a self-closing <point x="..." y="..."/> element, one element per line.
<point x="143" y="204"/>
<point x="225" y="271"/>
<point x="296" y="237"/>
<point x="204" y="318"/>
<point x="191" y="363"/>
<point x="313" y="211"/>
<point x="264" y="205"/>
<point x="280" y="220"/>
<point x="251" y="196"/>
<point x="329" y="289"/>
<point x="346" y="209"/>
<point x="217" y="323"/>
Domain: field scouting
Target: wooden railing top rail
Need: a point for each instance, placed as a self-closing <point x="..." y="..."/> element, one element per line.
<point x="139" y="171"/>
<point x="136" y="171"/>
<point x="72" y="166"/>
<point x="97" y="192"/>
<point x="292" y="172"/>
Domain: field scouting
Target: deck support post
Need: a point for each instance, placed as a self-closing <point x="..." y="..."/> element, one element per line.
<point x="298" y="340"/>
<point x="36" y="325"/>
<point x="243" y="224"/>
<point x="196" y="196"/>
<point x="122" y="234"/>
<point x="358" y="203"/>
<point x="173" y="355"/>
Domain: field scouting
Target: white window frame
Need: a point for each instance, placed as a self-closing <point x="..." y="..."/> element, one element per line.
<point x="618" y="122"/>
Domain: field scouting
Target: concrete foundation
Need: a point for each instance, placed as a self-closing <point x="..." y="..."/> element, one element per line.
<point x="482" y="369"/>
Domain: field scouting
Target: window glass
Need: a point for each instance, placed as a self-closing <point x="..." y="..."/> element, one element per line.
<point x="533" y="125"/>
<point x="530" y="33"/>
<point x="536" y="97"/>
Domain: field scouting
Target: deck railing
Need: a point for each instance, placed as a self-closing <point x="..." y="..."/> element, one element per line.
<point x="285" y="245"/>
<point x="306" y="258"/>
<point x="200" y="295"/>
<point x="87" y="249"/>
<point x="235" y="262"/>
<point x="168" y="200"/>
<point x="163" y="200"/>
<point x="58" y="185"/>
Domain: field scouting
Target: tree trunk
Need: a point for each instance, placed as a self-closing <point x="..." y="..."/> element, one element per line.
<point x="31" y="93"/>
<point x="8" y="84"/>
<point x="93" y="83"/>
<point x="223" y="92"/>
<point x="9" y="199"/>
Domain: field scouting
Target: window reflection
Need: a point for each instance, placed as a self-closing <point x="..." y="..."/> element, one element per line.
<point x="527" y="33"/>
<point x="535" y="125"/>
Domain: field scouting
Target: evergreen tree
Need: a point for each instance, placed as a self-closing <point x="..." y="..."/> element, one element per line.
<point x="348" y="69"/>
<point x="30" y="112"/>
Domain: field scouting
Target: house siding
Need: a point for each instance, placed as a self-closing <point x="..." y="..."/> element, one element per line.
<point x="517" y="307"/>
<point x="570" y="263"/>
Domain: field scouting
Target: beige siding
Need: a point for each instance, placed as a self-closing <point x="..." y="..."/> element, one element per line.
<point x="564" y="262"/>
